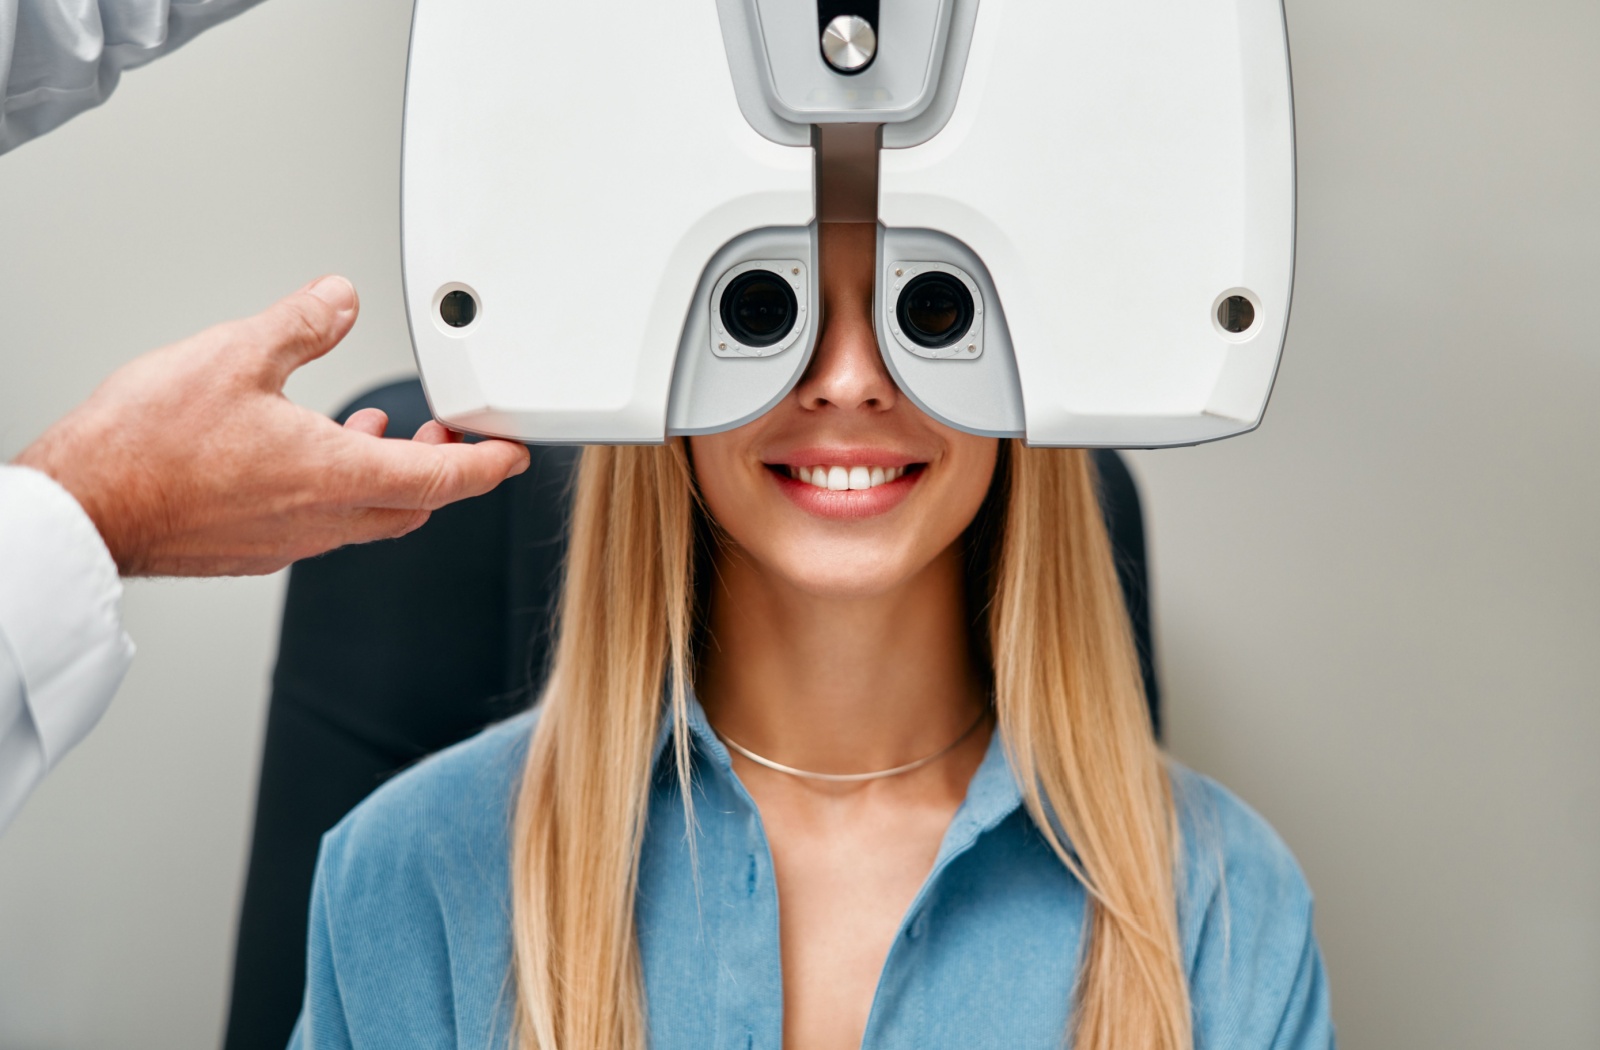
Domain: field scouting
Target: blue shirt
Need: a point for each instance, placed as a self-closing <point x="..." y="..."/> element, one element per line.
<point x="410" y="919"/>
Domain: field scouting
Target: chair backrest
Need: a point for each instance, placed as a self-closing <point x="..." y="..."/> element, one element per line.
<point x="392" y="651"/>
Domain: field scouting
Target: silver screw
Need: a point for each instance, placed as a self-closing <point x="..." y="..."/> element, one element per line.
<point x="849" y="43"/>
<point x="899" y="273"/>
<point x="972" y="348"/>
<point x="722" y="346"/>
<point x="795" y="271"/>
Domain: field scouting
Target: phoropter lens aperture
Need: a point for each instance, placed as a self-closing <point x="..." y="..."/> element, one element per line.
<point x="935" y="309"/>
<point x="758" y="308"/>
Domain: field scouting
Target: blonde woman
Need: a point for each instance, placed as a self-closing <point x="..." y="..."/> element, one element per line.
<point x="821" y="767"/>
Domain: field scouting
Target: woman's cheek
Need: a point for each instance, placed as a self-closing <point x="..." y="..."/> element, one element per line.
<point x="731" y="497"/>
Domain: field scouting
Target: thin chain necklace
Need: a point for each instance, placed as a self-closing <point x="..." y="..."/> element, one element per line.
<point x="855" y="778"/>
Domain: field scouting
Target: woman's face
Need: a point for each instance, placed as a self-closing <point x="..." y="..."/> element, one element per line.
<point x="845" y="488"/>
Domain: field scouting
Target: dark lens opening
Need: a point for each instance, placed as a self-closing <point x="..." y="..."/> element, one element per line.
<point x="457" y="309"/>
<point x="1236" y="314"/>
<point x="935" y="309"/>
<point x="758" y="308"/>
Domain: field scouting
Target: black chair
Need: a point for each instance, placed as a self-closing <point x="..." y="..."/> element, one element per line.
<point x="393" y="651"/>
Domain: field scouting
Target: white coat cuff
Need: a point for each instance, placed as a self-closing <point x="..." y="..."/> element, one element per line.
<point x="60" y="609"/>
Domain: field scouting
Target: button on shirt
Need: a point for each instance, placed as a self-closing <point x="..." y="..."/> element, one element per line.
<point x="410" y="924"/>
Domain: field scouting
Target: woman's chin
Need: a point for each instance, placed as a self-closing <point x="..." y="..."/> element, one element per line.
<point x="827" y="571"/>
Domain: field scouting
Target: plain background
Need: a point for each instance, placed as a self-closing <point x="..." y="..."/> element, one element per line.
<point x="1379" y="615"/>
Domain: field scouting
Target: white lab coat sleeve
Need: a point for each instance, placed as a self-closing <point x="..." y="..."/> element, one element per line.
<point x="61" y="57"/>
<point x="63" y="652"/>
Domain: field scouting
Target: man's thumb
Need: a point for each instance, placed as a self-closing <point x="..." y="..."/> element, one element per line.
<point x="304" y="326"/>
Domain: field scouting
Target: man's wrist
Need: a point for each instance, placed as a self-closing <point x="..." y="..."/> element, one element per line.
<point x="45" y="456"/>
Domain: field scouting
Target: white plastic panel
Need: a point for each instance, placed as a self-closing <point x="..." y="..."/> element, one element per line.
<point x="1117" y="167"/>
<point x="578" y="184"/>
<point x="897" y="86"/>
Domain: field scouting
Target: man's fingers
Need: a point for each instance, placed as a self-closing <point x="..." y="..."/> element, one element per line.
<point x="434" y="432"/>
<point x="420" y="475"/>
<point x="373" y="421"/>
<point x="342" y="527"/>
<point x="380" y="523"/>
<point x="304" y="326"/>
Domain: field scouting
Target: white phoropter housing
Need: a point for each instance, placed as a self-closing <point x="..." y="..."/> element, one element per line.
<point x="1085" y="211"/>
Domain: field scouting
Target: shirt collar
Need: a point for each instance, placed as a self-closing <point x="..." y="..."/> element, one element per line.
<point x="700" y="732"/>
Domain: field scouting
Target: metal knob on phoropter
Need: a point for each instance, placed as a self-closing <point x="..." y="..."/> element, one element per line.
<point x="849" y="43"/>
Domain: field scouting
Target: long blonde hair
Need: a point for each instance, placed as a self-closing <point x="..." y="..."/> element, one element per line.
<point x="1069" y="702"/>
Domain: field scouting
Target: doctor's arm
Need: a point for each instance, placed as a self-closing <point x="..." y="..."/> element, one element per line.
<point x="189" y="461"/>
<point x="61" y="57"/>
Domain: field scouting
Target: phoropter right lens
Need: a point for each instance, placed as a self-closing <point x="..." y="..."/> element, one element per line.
<point x="935" y="309"/>
<point x="758" y="308"/>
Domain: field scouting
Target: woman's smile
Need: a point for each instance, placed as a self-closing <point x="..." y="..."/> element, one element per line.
<point x="845" y="481"/>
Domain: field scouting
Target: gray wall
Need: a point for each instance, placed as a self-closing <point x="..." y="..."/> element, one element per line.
<point x="1378" y="615"/>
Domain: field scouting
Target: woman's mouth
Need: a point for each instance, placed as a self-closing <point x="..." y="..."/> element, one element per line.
<point x="847" y="490"/>
<point x="840" y="479"/>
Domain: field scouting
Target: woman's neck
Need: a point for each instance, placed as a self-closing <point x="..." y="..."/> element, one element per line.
<point x="839" y="685"/>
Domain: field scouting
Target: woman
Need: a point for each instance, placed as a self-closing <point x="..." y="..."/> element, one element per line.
<point x="901" y="792"/>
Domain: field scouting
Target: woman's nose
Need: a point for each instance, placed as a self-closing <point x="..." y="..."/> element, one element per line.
<point x="846" y="370"/>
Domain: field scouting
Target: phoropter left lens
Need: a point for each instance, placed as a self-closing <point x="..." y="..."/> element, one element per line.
<point x="758" y="308"/>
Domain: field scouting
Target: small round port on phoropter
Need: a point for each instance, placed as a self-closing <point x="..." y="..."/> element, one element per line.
<point x="458" y="308"/>
<point x="1236" y="314"/>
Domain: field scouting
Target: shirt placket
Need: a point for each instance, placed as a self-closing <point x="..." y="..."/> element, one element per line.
<point x="749" y="964"/>
<point x="892" y="1023"/>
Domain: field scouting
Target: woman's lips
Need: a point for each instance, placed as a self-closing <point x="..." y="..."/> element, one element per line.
<point x="835" y="490"/>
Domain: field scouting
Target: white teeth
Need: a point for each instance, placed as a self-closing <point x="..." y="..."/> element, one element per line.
<point x="841" y="479"/>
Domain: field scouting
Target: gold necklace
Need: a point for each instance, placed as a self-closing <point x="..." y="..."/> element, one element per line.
<point x="854" y="778"/>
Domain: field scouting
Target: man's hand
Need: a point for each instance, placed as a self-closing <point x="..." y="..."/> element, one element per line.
<point x="191" y="462"/>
